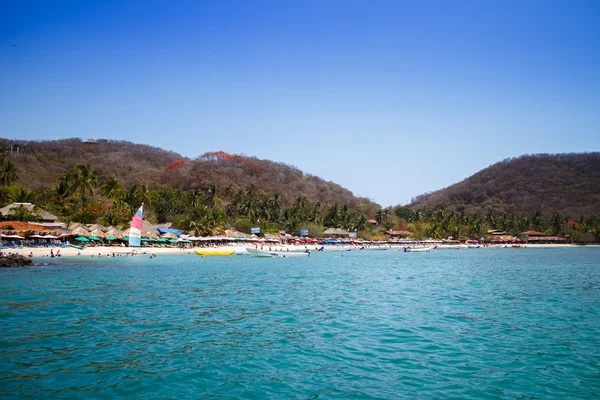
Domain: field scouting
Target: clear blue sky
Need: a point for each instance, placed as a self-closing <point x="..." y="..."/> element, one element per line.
<point x="387" y="98"/>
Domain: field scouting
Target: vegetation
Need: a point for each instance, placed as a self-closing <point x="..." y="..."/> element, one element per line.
<point x="563" y="183"/>
<point x="106" y="182"/>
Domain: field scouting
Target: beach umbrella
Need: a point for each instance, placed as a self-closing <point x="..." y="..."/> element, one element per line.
<point x="34" y="237"/>
<point x="111" y="238"/>
<point x="125" y="238"/>
<point x="77" y="225"/>
<point x="49" y="237"/>
<point x="94" y="237"/>
<point x="79" y="231"/>
<point x="161" y="240"/>
<point x="97" y="227"/>
<point x="82" y="239"/>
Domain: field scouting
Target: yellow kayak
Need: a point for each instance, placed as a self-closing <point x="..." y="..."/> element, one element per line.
<point x="214" y="252"/>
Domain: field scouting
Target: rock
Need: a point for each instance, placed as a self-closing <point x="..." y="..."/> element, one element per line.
<point x="14" y="260"/>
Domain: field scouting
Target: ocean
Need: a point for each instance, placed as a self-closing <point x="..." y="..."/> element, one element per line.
<point x="469" y="324"/>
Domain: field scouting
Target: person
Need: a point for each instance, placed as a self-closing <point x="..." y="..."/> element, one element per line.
<point x="58" y="253"/>
<point x="51" y="252"/>
<point x="31" y="255"/>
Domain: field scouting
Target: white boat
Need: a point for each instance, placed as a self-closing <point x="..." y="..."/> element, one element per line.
<point x="373" y="248"/>
<point x="279" y="254"/>
<point x="418" y="249"/>
<point x="473" y="246"/>
<point x="448" y="247"/>
<point x="335" y="248"/>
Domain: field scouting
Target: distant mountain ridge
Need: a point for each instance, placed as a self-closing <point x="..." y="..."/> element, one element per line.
<point x="565" y="183"/>
<point x="40" y="164"/>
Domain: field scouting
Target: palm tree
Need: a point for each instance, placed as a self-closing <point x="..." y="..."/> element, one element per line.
<point x="8" y="175"/>
<point x="85" y="181"/>
<point x="213" y="198"/>
<point x="112" y="188"/>
<point x="23" y="196"/>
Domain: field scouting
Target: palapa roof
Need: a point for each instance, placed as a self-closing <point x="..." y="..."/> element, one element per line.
<point x="114" y="231"/>
<point x="79" y="231"/>
<point x="98" y="233"/>
<point x="75" y="225"/>
<point x="43" y="214"/>
<point x="235" y="234"/>
<point x="97" y="227"/>
<point x="149" y="231"/>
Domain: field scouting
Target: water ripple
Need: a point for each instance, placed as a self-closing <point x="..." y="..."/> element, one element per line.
<point x="470" y="324"/>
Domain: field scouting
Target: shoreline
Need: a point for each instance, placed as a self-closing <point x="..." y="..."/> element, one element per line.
<point x="108" y="251"/>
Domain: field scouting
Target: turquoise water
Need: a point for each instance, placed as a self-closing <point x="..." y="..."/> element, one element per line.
<point x="472" y="323"/>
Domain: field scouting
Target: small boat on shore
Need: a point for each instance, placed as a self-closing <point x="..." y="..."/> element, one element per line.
<point x="277" y="254"/>
<point x="423" y="249"/>
<point x="373" y="248"/>
<point x="335" y="248"/>
<point x="448" y="247"/>
<point x="214" y="252"/>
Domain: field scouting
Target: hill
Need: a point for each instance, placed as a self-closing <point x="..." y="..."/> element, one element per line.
<point x="565" y="183"/>
<point x="44" y="162"/>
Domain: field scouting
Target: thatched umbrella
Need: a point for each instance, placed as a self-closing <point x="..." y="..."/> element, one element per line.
<point x="98" y="233"/>
<point x="77" y="225"/>
<point x="169" y="235"/>
<point x="97" y="227"/>
<point x="79" y="231"/>
<point x="116" y="232"/>
<point x="149" y="231"/>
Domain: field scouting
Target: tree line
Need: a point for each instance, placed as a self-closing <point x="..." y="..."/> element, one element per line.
<point x="83" y="195"/>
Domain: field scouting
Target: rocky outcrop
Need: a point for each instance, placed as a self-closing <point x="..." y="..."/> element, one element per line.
<point x="14" y="260"/>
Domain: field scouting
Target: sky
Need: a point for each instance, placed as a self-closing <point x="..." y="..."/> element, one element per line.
<point x="390" y="99"/>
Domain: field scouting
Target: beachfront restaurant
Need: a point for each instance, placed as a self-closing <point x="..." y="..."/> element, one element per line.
<point x="535" y="237"/>
<point x="496" y="236"/>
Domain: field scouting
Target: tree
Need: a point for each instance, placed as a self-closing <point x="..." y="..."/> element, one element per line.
<point x="84" y="181"/>
<point x="8" y="175"/>
<point x="112" y="188"/>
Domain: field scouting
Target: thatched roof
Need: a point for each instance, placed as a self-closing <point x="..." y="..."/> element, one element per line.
<point x="149" y="231"/>
<point x="169" y="235"/>
<point x="97" y="227"/>
<point x="235" y="234"/>
<point x="336" y="231"/>
<point x="43" y="214"/>
<point x="98" y="233"/>
<point x="116" y="232"/>
<point x="79" y="231"/>
<point x="76" y="225"/>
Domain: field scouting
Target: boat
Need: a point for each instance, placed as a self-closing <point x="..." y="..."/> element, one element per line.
<point x="373" y="248"/>
<point x="215" y="252"/>
<point x="418" y="249"/>
<point x="335" y="248"/>
<point x="277" y="254"/>
<point x="473" y="246"/>
<point x="448" y="247"/>
<point x="135" y="229"/>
